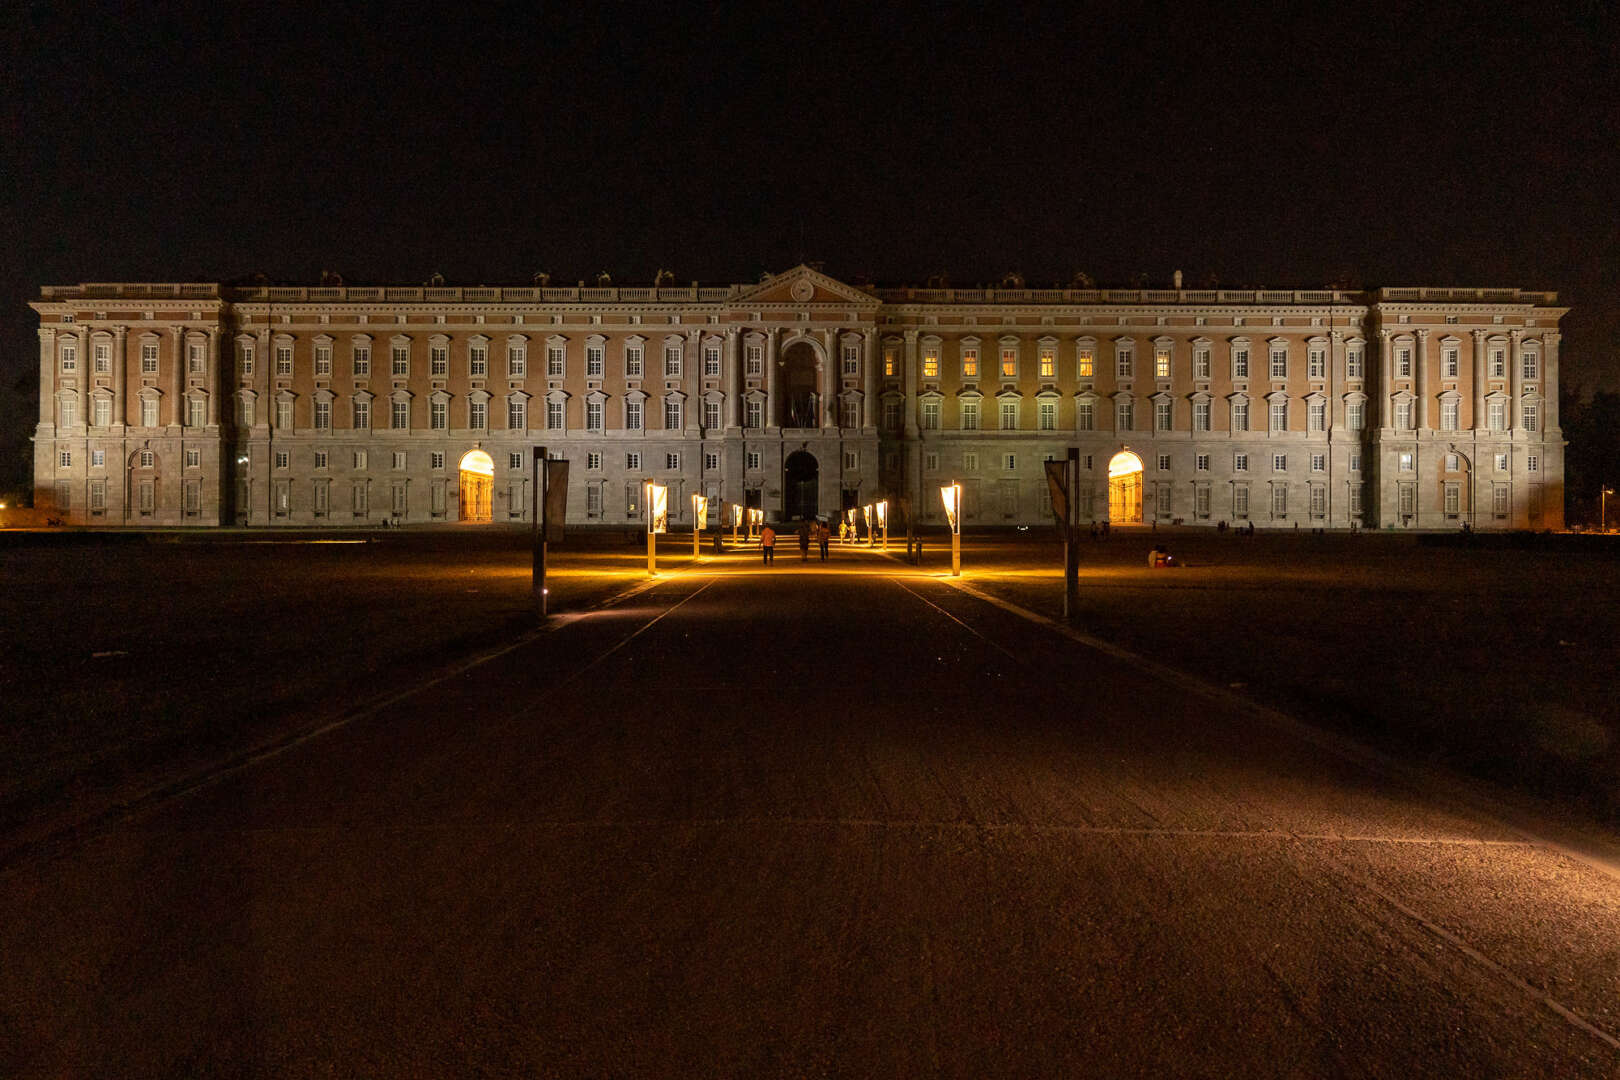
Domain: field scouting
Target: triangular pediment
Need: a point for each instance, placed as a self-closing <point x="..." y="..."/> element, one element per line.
<point x="802" y="285"/>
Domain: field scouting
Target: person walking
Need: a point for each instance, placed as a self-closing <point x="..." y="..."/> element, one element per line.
<point x="823" y="536"/>
<point x="767" y="544"/>
<point x="804" y="541"/>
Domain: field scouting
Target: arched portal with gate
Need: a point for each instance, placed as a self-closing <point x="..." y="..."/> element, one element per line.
<point x="1125" y="489"/>
<point x="801" y="482"/>
<point x="477" y="486"/>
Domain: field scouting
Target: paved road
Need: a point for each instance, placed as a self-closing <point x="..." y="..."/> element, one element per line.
<point x="804" y="823"/>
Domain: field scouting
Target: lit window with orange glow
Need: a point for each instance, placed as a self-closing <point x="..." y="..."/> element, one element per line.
<point x="1048" y="362"/>
<point x="891" y="362"/>
<point x="970" y="362"/>
<point x="1087" y="365"/>
<point x="1161" y="363"/>
<point x="930" y="364"/>
<point x="1009" y="363"/>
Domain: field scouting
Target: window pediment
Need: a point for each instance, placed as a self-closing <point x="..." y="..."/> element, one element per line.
<point x="1009" y="393"/>
<point x="518" y="395"/>
<point x="363" y="395"/>
<point x="480" y="396"/>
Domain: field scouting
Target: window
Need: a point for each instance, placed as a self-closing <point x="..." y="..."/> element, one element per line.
<point x="101" y="410"/>
<point x="439" y="361"/>
<point x="517" y="359"/>
<point x="711" y="413"/>
<point x="1009" y="462"/>
<point x="1124" y="361"/>
<point x="1279" y="500"/>
<point x="1240" y="416"/>
<point x="1124" y="414"/>
<point x="633" y="360"/>
<point x="1501" y="463"/>
<point x="1532" y="463"/>
<point x="593" y="500"/>
<point x="852" y="360"/>
<point x="1403" y="415"/>
<point x="399" y="415"/>
<point x="554" y="415"/>
<point x="1240" y="462"/>
<point x="593" y="416"/>
<point x="1201" y="500"/>
<point x="970" y="361"/>
<point x="754" y="412"/>
<point x="1201" y="367"/>
<point x="361" y="501"/>
<point x="849" y="412"/>
<point x="439" y="414"/>
<point x="1164" y="462"/>
<point x="711" y="461"/>
<point x="892" y="418"/>
<point x="632" y="416"/>
<point x="593" y="460"/>
<point x="361" y="356"/>
<point x="244" y="410"/>
<point x="1240" y="501"/>
<point x="1279" y="462"/>
<point x="98" y="496"/>
<point x="672" y="461"/>
<point x="1449" y="362"/>
<point x="517" y="414"/>
<point x="1240" y="362"/>
<point x="1046" y="418"/>
<point x="362" y="414"/>
<point x="672" y="415"/>
<point x="1161" y="362"/>
<point x="595" y="361"/>
<point x="1048" y="361"/>
<point x="323" y="359"/>
<point x="1318" y="500"/>
<point x="970" y="461"/>
<point x="1448" y="416"/>
<point x="284" y="358"/>
<point x="672" y="360"/>
<point x="1086" y="364"/>
<point x="753" y="460"/>
<point x="711" y="361"/>
<point x="1403" y="362"/>
<point x="103" y="358"/>
<point x="197" y="358"/>
<point x="1279" y="362"/>
<point x="196" y="412"/>
<point x="1163" y="412"/>
<point x="477" y="414"/>
<point x="1452" y="462"/>
<point x="149" y="411"/>
<point x="514" y="460"/>
<point x="1085" y="418"/>
<point x="98" y="458"/>
<point x="1316" y="363"/>
<point x="1528" y="416"/>
<point x="1316" y="416"/>
<point x="1498" y="364"/>
<point x="1499" y="500"/>
<point x="1201" y="462"/>
<point x="1162" y="498"/>
<point x="556" y="361"/>
<point x="1353" y="362"/>
<point x="1355" y="500"/>
<point x="1009" y="416"/>
<point x="64" y="459"/>
<point x="1009" y="361"/>
<point x="1528" y="365"/>
<point x="930" y="364"/>
<point x="1318" y="463"/>
<point x="852" y="460"/>
<point x="147" y="459"/>
<point x="1408" y="500"/>
<point x="754" y="360"/>
<point x="930" y="415"/>
<point x="1405" y="460"/>
<point x="284" y="413"/>
<point x="1200" y="415"/>
<point x="1353" y="416"/>
<point x="931" y="461"/>
<point x="632" y="461"/>
<point x="149" y="358"/>
<point x="70" y="356"/>
<point x="1497" y="413"/>
<point x="478" y="359"/>
<point x="283" y="459"/>
<point x="320" y="459"/>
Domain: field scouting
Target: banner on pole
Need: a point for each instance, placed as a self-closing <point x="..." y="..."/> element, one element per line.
<point x="1057" y="482"/>
<point x="951" y="496"/>
<point x="556" y="500"/>
<point x="657" y="508"/>
<point x="700" y="505"/>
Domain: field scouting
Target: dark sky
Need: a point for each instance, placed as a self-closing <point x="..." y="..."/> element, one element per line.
<point x="1394" y="144"/>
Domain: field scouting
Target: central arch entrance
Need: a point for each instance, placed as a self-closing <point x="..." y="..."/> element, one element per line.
<point x="477" y="486"/>
<point x="802" y="484"/>
<point x="1125" y="489"/>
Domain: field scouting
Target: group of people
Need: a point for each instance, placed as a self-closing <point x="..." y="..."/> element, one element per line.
<point x="819" y="530"/>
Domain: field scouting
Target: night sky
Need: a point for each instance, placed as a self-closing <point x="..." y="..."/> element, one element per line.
<point x="1380" y="144"/>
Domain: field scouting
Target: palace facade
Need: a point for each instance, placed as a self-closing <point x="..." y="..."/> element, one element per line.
<point x="204" y="404"/>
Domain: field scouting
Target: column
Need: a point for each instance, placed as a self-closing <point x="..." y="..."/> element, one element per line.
<point x="176" y="402"/>
<point x="770" y="378"/>
<point x="120" y="375"/>
<point x="1479" y="385"/>
<point x="47" y="375"/>
<point x="869" y="363"/>
<point x="1515" y="376"/>
<point x="214" y="382"/>
<point x="1549" y="380"/>
<point x="692" y="379"/>
<point x="1422" y="418"/>
<point x="85" y="373"/>
<point x="911" y="384"/>
<point x="1386" y="385"/>
<point x="731" y="366"/>
<point x="831" y="379"/>
<point x="1335" y="380"/>
<point x="914" y="489"/>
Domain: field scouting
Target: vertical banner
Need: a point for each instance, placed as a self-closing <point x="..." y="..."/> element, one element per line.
<point x="951" y="496"/>
<point x="1057" y="482"/>
<point x="700" y="506"/>
<point x="556" y="504"/>
<point x="657" y="508"/>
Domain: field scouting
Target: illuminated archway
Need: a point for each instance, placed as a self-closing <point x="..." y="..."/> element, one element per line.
<point x="477" y="486"/>
<point x="1125" y="489"/>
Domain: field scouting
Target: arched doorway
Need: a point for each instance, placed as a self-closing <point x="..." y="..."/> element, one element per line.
<point x="477" y="485"/>
<point x="796" y="390"/>
<point x="1125" y="489"/>
<point x="802" y="484"/>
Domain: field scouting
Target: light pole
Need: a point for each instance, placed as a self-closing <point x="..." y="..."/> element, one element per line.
<point x="1603" y="505"/>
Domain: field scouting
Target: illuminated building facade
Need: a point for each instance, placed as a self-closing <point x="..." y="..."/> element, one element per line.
<point x="202" y="404"/>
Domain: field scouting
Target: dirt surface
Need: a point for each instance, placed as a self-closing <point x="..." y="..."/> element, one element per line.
<point x="840" y="820"/>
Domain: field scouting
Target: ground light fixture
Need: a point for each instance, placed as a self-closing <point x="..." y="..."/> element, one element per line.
<point x="882" y="509"/>
<point x="867" y="519"/>
<point x="951" y="495"/>
<point x="736" y="520"/>
<point x="657" y="496"/>
<point x="700" y="521"/>
<point x="1603" y="509"/>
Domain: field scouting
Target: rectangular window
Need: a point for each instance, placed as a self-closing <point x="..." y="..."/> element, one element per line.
<point x="930" y="416"/>
<point x="244" y="411"/>
<point x="1009" y="362"/>
<point x="1201" y="500"/>
<point x="477" y="414"/>
<point x="98" y="458"/>
<point x="1497" y="412"/>
<point x="1124" y="361"/>
<point x="1448" y="416"/>
<point x="70" y="356"/>
<point x="754" y="360"/>
<point x="595" y="361"/>
<point x="103" y="358"/>
<point x="197" y="355"/>
<point x="149" y="412"/>
<point x="593" y="500"/>
<point x="1353" y="416"/>
<point x="852" y="360"/>
<point x="633" y="357"/>
<point x="1047" y="416"/>
<point x="1449" y="363"/>
<point x="632" y="416"/>
<point x="754" y="412"/>
<point x="930" y="363"/>
<point x="1404" y="460"/>
<point x="1009" y="416"/>
<point x="711" y="361"/>
<point x="149" y="358"/>
<point x="970" y="461"/>
<point x="362" y="414"/>
<point x="284" y="358"/>
<point x="849" y="413"/>
<point x="439" y="415"/>
<point x="1086" y="364"/>
<point x="1499" y="500"/>
<point x="1528" y="417"/>
<point x="362" y="359"/>
<point x="1240" y="416"/>
<point x="1318" y="463"/>
<point x="284" y="414"/>
<point x="517" y="360"/>
<point x="196" y="412"/>
<point x="1316" y="416"/>
<point x="1355" y="500"/>
<point x="970" y="362"/>
<point x="439" y="361"/>
<point x="514" y="460"/>
<point x="1316" y="363"/>
<point x="399" y="415"/>
<point x="672" y="361"/>
<point x="556" y="361"/>
<point x="1240" y="462"/>
<point x="1240" y="500"/>
<point x="1164" y="462"/>
<point x="1408" y="500"/>
<point x="1453" y="499"/>
<point x="98" y="496"/>
<point x="1532" y="463"/>
<point x="1403" y="415"/>
<point x="1162" y="415"/>
<point x="593" y="460"/>
<point x="711" y="461"/>
<point x="754" y="460"/>
<point x="64" y="459"/>
<point x="1201" y="462"/>
<point x="1279" y="416"/>
<point x="1318" y="501"/>
<point x="931" y="461"/>
<point x="1085" y="416"/>
<point x="1124" y="416"/>
<point x="320" y="459"/>
<point x="852" y="460"/>
<point x="1501" y="463"/>
<point x="101" y="410"/>
<point x="1279" y="500"/>
<point x="554" y="415"/>
<point x="478" y="360"/>
<point x="1498" y="364"/>
<point x="632" y="461"/>
<point x="323" y="359"/>
<point x="711" y="414"/>
<point x="517" y="414"/>
<point x="322" y="497"/>
<point x="1201" y="367"/>
<point x="1161" y="363"/>
<point x="1009" y="462"/>
<point x="1403" y="363"/>
<point x="672" y="415"/>
<point x="1240" y="363"/>
<point x="1162" y="499"/>
<point x="359" y="459"/>
<point x="672" y="461"/>
<point x="1528" y="365"/>
<point x="593" y="416"/>
<point x="1279" y="462"/>
<point x="1048" y="361"/>
<point x="1200" y="416"/>
<point x="1353" y="364"/>
<point x="283" y="459"/>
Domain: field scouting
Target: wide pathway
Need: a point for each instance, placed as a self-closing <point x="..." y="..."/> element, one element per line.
<point x="806" y="822"/>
